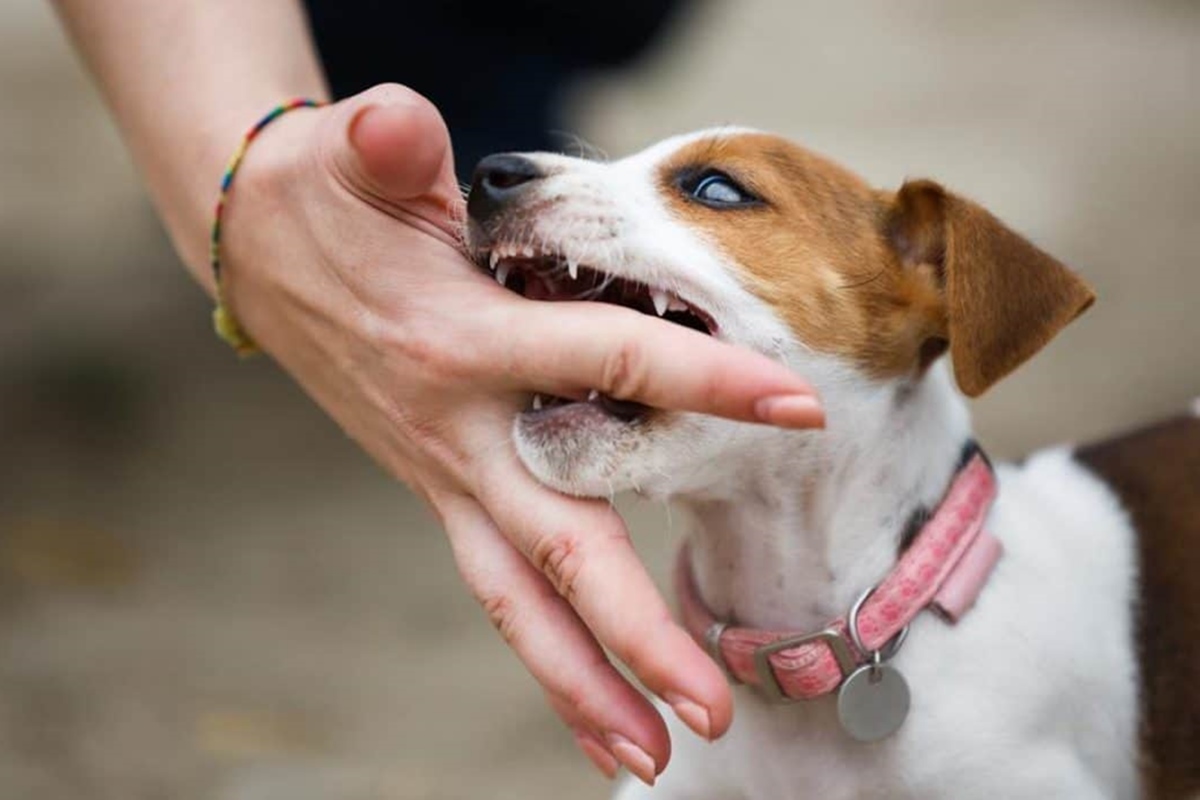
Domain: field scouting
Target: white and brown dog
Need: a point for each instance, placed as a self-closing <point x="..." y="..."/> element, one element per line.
<point x="1076" y="673"/>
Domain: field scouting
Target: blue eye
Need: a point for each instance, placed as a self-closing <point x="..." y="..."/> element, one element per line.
<point x="717" y="189"/>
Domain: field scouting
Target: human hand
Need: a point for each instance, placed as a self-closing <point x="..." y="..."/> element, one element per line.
<point x="342" y="259"/>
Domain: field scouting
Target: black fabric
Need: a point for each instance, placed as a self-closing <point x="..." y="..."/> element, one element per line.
<point x="497" y="70"/>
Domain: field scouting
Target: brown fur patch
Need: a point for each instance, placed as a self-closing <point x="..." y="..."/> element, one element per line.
<point x="1156" y="473"/>
<point x="813" y="250"/>
<point x="887" y="281"/>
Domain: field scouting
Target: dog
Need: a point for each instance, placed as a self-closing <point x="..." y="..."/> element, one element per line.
<point x="1065" y="662"/>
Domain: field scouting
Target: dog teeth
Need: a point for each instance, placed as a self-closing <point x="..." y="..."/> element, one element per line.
<point x="661" y="300"/>
<point x="503" y="255"/>
<point x="537" y="402"/>
<point x="593" y="394"/>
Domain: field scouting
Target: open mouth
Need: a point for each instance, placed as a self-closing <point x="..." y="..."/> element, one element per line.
<point x="556" y="278"/>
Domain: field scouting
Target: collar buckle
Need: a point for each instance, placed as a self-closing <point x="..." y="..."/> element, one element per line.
<point x="768" y="683"/>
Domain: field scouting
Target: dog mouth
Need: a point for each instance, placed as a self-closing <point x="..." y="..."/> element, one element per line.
<point x="558" y="278"/>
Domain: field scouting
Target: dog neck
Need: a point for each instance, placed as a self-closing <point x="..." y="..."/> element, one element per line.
<point x="811" y="522"/>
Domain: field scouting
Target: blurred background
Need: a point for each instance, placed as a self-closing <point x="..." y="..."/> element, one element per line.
<point x="207" y="592"/>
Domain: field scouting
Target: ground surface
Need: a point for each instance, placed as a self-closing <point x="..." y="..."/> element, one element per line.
<point x="206" y="592"/>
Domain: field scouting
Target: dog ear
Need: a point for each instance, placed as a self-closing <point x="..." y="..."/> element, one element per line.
<point x="1004" y="298"/>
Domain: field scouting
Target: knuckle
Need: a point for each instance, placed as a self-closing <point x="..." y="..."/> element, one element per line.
<point x="502" y="613"/>
<point x="455" y="364"/>
<point x="624" y="371"/>
<point x="422" y="351"/>
<point x="263" y="179"/>
<point x="432" y="442"/>
<point x="560" y="558"/>
<point x="270" y="173"/>
<point x="428" y="350"/>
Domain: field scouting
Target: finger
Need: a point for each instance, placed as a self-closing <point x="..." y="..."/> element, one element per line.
<point x="583" y="549"/>
<point x="391" y="143"/>
<point x="592" y="745"/>
<point x="568" y="348"/>
<point x="553" y="643"/>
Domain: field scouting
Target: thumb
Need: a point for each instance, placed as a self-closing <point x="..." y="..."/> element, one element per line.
<point x="392" y="143"/>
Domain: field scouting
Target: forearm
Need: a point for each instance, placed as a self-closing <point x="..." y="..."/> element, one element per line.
<point x="184" y="81"/>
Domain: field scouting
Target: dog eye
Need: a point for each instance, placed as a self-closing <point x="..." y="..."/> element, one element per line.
<point x="718" y="189"/>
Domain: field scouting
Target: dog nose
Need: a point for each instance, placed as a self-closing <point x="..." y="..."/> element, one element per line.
<point x="497" y="181"/>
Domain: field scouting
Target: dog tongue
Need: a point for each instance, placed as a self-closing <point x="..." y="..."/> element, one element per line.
<point x="538" y="289"/>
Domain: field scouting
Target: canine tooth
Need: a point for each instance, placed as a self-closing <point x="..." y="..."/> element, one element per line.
<point x="494" y="259"/>
<point x="537" y="402"/>
<point x="593" y="394"/>
<point x="502" y="272"/>
<point x="573" y="268"/>
<point x="660" y="299"/>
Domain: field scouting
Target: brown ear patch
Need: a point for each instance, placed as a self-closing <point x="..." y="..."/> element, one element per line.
<point x="1005" y="298"/>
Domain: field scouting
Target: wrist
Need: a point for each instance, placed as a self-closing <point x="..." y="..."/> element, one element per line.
<point x="188" y="204"/>
<point x="265" y="194"/>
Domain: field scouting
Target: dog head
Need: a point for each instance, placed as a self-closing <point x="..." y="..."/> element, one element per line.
<point x="750" y="238"/>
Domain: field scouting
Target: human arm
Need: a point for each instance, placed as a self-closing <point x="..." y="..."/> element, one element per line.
<point x="341" y="259"/>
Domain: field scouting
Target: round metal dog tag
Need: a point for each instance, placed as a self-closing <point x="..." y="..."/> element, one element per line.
<point x="873" y="706"/>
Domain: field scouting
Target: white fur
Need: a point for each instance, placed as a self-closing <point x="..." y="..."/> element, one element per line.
<point x="1031" y="695"/>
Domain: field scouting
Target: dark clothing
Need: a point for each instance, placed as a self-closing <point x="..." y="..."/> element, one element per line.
<point x="496" y="70"/>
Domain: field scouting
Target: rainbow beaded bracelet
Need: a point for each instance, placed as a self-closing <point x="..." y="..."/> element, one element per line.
<point x="225" y="323"/>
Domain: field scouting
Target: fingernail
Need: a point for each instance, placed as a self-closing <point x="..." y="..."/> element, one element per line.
<point x="599" y="755"/>
<point x="694" y="715"/>
<point x="791" y="411"/>
<point x="635" y="759"/>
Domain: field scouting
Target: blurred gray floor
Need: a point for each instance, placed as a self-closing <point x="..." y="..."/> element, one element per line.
<point x="206" y="592"/>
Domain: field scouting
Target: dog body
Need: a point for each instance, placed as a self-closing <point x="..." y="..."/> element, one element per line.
<point x="1034" y="693"/>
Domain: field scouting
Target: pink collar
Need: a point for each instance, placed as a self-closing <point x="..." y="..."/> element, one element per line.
<point x="945" y="569"/>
